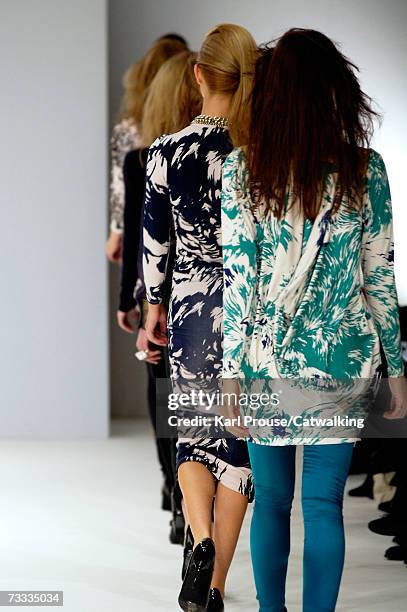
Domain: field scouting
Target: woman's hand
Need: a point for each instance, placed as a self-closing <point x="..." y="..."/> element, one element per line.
<point x="142" y="345"/>
<point x="124" y="320"/>
<point x="398" y="405"/>
<point x="230" y="408"/>
<point x="156" y="324"/>
<point x="113" y="247"/>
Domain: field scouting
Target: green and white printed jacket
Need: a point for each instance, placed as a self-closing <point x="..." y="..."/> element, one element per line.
<point x="309" y="299"/>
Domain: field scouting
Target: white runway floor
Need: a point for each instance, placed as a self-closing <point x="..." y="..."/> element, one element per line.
<point x="84" y="517"/>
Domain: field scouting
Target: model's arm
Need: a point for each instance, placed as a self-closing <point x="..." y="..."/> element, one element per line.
<point x="156" y="241"/>
<point x="239" y="266"/>
<point x="124" y="138"/>
<point x="134" y="178"/>
<point x="116" y="179"/>
<point x="378" y="263"/>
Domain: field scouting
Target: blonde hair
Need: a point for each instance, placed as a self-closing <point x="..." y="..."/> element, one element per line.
<point x="227" y="58"/>
<point x="139" y="76"/>
<point x="173" y="99"/>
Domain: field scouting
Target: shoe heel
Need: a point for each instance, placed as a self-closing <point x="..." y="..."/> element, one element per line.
<point x="194" y="594"/>
<point x="188" y="550"/>
<point x="189" y="606"/>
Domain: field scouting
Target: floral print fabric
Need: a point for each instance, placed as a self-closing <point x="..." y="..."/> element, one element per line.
<point x="125" y="138"/>
<point x="182" y="199"/>
<point x="307" y="300"/>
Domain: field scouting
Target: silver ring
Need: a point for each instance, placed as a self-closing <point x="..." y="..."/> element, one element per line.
<point x="141" y="355"/>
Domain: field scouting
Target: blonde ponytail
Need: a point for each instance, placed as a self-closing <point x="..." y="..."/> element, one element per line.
<point x="226" y="58"/>
<point x="173" y="99"/>
<point x="139" y="76"/>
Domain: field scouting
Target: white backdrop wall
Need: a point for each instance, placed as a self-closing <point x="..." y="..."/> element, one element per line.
<point x="54" y="340"/>
<point x="371" y="32"/>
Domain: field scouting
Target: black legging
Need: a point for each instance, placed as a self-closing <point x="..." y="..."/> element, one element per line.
<point x="166" y="447"/>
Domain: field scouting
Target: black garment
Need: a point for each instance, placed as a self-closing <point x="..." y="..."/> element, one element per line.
<point x="166" y="447"/>
<point x="132" y="289"/>
<point x="132" y="275"/>
<point x="134" y="171"/>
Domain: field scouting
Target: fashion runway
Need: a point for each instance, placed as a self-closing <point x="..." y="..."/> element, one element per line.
<point x="84" y="517"/>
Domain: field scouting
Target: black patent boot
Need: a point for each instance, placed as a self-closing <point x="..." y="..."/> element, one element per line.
<point x="177" y="523"/>
<point x="195" y="589"/>
<point x="215" y="603"/>
<point x="188" y="550"/>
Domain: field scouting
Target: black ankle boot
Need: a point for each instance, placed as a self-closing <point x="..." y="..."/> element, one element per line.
<point x="364" y="490"/>
<point x="177" y="523"/>
<point x="177" y="529"/>
<point x="385" y="507"/>
<point x="165" y="498"/>
<point x="194" y="592"/>
<point x="389" y="525"/>
<point x="396" y="553"/>
<point x="188" y="550"/>
<point x="215" y="603"/>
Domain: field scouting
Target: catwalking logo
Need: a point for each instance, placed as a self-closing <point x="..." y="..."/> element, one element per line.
<point x="302" y="421"/>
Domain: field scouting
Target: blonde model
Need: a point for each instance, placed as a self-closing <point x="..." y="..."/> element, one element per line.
<point x="126" y="132"/>
<point x="183" y="189"/>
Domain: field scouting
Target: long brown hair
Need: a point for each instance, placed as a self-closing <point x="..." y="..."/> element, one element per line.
<point x="173" y="99"/>
<point x="139" y="76"/>
<point x="226" y="58"/>
<point x="307" y="111"/>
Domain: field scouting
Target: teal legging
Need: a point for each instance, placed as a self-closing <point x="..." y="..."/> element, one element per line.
<point x="325" y="470"/>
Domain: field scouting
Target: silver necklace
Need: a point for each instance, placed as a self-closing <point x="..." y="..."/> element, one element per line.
<point x="220" y="122"/>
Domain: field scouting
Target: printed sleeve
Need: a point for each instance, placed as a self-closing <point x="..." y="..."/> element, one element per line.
<point x="378" y="263"/>
<point x="124" y="138"/>
<point x="156" y="224"/>
<point x="239" y="247"/>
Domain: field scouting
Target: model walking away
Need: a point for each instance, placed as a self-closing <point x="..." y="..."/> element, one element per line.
<point x="126" y="132"/>
<point x="306" y="205"/>
<point x="172" y="101"/>
<point x="183" y="188"/>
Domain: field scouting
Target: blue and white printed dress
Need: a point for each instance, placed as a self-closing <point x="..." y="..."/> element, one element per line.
<point x="183" y="189"/>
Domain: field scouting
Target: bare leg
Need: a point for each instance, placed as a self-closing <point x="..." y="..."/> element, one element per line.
<point x="198" y="488"/>
<point x="230" y="508"/>
<point x="185" y="513"/>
